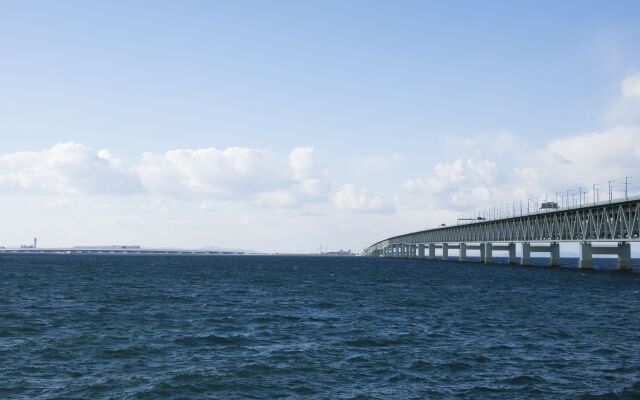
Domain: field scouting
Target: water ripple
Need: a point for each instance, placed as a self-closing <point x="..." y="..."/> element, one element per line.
<point x="148" y="327"/>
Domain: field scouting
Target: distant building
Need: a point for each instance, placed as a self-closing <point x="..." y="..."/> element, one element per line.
<point x="338" y="253"/>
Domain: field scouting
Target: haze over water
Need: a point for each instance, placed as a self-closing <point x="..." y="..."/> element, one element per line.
<point x="147" y="327"/>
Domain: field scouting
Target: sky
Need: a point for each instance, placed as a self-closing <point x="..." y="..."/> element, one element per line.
<point x="283" y="126"/>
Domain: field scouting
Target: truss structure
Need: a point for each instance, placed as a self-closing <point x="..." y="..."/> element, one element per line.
<point x="616" y="221"/>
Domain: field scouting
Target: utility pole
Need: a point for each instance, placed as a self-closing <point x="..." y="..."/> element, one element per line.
<point x="595" y="193"/>
<point x="569" y="191"/>
<point x="521" y="208"/>
<point x="611" y="191"/>
<point x="626" y="187"/>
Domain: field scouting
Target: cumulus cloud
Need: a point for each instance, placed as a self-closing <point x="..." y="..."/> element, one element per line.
<point x="631" y="86"/>
<point x="66" y="168"/>
<point x="207" y="174"/>
<point x="309" y="183"/>
<point x="562" y="164"/>
<point x="233" y="172"/>
<point x="350" y="198"/>
<point x="584" y="159"/>
<point x="459" y="184"/>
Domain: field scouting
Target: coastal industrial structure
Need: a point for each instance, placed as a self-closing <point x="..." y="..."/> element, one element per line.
<point x="126" y="249"/>
<point x="542" y="230"/>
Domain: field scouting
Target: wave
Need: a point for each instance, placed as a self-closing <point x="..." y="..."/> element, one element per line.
<point x="212" y="340"/>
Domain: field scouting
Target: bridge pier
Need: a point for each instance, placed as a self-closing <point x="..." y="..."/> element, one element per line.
<point x="432" y="251"/>
<point x="445" y="251"/>
<point x="490" y="248"/>
<point x="554" y="256"/>
<point x="421" y="250"/>
<point x="622" y="250"/>
<point x="472" y="247"/>
<point x="553" y="249"/>
<point x="488" y="253"/>
<point x="586" y="256"/>
<point x="463" y="252"/>
<point x="512" y="253"/>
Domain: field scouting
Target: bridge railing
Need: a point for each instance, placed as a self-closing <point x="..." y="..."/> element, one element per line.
<point x="617" y="220"/>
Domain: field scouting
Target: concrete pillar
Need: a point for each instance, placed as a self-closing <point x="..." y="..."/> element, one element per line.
<point x="463" y="252"/>
<point x="512" y="253"/>
<point x="526" y="253"/>
<point x="413" y="253"/>
<point x="624" y="257"/>
<point x="487" y="253"/>
<point x="554" y="257"/>
<point x="482" y="252"/>
<point x="432" y="251"/>
<point x="586" y="256"/>
<point x="445" y="251"/>
<point x="421" y="250"/>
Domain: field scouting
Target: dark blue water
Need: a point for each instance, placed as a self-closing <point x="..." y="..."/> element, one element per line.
<point x="148" y="327"/>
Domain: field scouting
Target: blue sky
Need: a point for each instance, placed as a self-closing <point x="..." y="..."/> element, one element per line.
<point x="383" y="92"/>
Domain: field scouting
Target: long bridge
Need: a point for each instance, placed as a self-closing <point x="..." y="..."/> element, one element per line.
<point x="590" y="225"/>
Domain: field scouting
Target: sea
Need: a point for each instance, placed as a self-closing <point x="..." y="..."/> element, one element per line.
<point x="289" y="327"/>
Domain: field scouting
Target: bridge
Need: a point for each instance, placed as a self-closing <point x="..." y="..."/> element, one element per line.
<point x="594" y="226"/>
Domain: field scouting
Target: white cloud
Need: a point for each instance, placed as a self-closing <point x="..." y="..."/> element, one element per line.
<point x="631" y="86"/>
<point x="350" y="198"/>
<point x="309" y="183"/>
<point x="66" y="168"/>
<point x="302" y="163"/>
<point x="626" y="108"/>
<point x="229" y="173"/>
<point x="209" y="174"/>
<point x="565" y="163"/>
<point x="236" y="174"/>
<point x="584" y="159"/>
<point x="456" y="185"/>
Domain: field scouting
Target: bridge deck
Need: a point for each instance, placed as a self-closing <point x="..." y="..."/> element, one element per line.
<point x="615" y="221"/>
